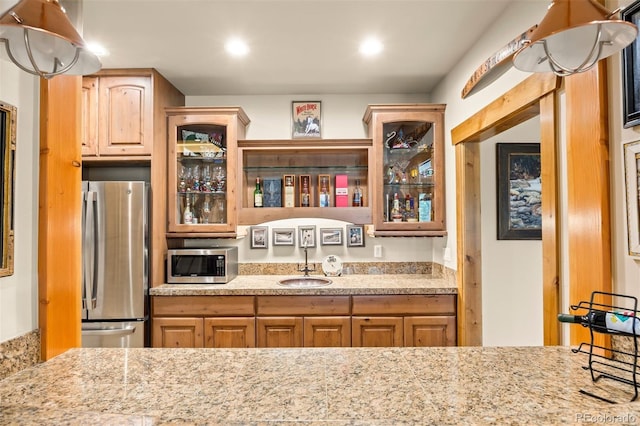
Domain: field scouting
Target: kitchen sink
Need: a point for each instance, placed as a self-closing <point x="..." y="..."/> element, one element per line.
<point x="305" y="282"/>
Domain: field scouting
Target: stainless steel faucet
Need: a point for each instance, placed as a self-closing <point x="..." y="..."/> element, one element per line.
<point x="306" y="269"/>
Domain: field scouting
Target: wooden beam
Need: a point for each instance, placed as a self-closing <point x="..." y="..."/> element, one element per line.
<point x="59" y="227"/>
<point x="588" y="194"/>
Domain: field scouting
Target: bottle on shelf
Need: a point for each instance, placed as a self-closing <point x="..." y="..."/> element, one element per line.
<point x="305" y="196"/>
<point x="187" y="214"/>
<point x="396" y="213"/>
<point x="324" y="193"/>
<point x="257" y="194"/>
<point x="357" y="195"/>
<point x="613" y="322"/>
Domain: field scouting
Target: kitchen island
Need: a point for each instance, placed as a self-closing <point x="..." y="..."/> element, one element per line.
<point x="328" y="386"/>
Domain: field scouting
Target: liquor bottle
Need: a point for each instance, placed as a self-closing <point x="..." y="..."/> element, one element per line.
<point x="187" y="215"/>
<point x="324" y="193"/>
<point x="357" y="195"/>
<point x="613" y="322"/>
<point x="257" y="194"/>
<point x="396" y="213"/>
<point x="304" y="197"/>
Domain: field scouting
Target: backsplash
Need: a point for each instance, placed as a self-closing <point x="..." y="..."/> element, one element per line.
<point x="348" y="268"/>
<point x="19" y="353"/>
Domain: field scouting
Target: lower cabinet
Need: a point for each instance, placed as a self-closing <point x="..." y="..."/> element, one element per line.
<point x="303" y="321"/>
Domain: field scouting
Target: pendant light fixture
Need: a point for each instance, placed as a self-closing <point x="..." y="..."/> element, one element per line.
<point x="572" y="37"/>
<point x="41" y="40"/>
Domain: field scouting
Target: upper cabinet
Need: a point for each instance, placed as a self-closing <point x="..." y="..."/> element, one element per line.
<point x="408" y="195"/>
<point x="202" y="159"/>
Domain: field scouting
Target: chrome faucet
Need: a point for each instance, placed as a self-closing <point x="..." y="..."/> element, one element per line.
<point x="306" y="269"/>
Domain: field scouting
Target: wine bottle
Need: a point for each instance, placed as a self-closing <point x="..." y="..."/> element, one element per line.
<point x="187" y="215"/>
<point x="324" y="193"/>
<point x="257" y="194"/>
<point x="613" y="322"/>
<point x="305" y="196"/>
<point x="357" y="195"/>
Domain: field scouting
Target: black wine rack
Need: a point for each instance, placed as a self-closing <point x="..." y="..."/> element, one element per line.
<point x="607" y="363"/>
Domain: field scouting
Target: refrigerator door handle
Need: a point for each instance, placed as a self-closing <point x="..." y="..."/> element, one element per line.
<point x="89" y="301"/>
<point x="110" y="331"/>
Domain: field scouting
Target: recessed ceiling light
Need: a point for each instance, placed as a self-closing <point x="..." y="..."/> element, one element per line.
<point x="371" y="47"/>
<point x="236" y="47"/>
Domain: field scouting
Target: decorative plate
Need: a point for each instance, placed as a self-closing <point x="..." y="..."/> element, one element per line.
<point x="332" y="266"/>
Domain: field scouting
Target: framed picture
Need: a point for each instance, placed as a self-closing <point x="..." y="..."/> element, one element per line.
<point x="632" y="186"/>
<point x="306" y="119"/>
<point x="355" y="236"/>
<point x="259" y="237"/>
<point x="283" y="236"/>
<point x="631" y="71"/>
<point x="307" y="236"/>
<point x="331" y="236"/>
<point x="519" y="191"/>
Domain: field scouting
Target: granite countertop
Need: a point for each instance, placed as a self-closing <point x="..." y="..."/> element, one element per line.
<point x="344" y="285"/>
<point x="337" y="386"/>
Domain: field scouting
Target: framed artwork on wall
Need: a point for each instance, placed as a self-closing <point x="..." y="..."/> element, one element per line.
<point x="284" y="236"/>
<point x="307" y="236"/>
<point x="631" y="71"/>
<point x="355" y="236"/>
<point x="306" y="119"/>
<point x="259" y="237"/>
<point x="632" y="187"/>
<point x="519" y="191"/>
<point x="331" y="236"/>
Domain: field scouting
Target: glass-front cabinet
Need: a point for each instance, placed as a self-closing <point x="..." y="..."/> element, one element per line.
<point x="408" y="139"/>
<point x="201" y="168"/>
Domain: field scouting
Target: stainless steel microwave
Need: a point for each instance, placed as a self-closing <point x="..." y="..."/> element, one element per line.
<point x="202" y="266"/>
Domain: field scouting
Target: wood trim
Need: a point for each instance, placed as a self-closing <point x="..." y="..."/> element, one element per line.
<point x="512" y="108"/>
<point x="516" y="106"/>
<point x="469" y="254"/>
<point x="550" y="220"/>
<point x="588" y="192"/>
<point x="59" y="223"/>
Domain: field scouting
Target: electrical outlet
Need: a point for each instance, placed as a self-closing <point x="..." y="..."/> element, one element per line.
<point x="377" y="251"/>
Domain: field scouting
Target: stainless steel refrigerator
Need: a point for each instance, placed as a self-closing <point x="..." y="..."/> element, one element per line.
<point x="115" y="264"/>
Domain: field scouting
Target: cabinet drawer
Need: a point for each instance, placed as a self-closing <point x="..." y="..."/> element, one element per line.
<point x="437" y="304"/>
<point x="303" y="305"/>
<point x="203" y="305"/>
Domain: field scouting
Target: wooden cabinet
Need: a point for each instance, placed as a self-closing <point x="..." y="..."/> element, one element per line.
<point x="177" y="333"/>
<point x="404" y="320"/>
<point x="377" y="331"/>
<point x="202" y="173"/>
<point x="303" y="321"/>
<point x="118" y="113"/>
<point x="203" y="321"/>
<point x="408" y="150"/>
<point x="272" y="160"/>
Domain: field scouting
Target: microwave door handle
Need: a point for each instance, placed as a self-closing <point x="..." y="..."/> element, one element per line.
<point x="89" y="252"/>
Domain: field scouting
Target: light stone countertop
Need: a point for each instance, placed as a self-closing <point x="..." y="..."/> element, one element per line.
<point x="314" y="386"/>
<point x="344" y="285"/>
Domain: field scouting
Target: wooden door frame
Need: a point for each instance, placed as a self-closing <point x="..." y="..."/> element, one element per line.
<point x="537" y="95"/>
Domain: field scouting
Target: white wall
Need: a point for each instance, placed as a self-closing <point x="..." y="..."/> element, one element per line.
<point x="503" y="297"/>
<point x="19" y="292"/>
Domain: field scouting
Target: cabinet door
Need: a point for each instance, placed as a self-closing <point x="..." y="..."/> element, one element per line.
<point x="279" y="332"/>
<point x="177" y="333"/>
<point x="202" y="157"/>
<point x="408" y="142"/>
<point x="230" y="332"/>
<point x="376" y="331"/>
<point x="125" y="116"/>
<point x="327" y="332"/>
<point x="89" y="122"/>
<point x="430" y="331"/>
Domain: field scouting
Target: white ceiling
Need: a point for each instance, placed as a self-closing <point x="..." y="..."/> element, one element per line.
<point x="297" y="46"/>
